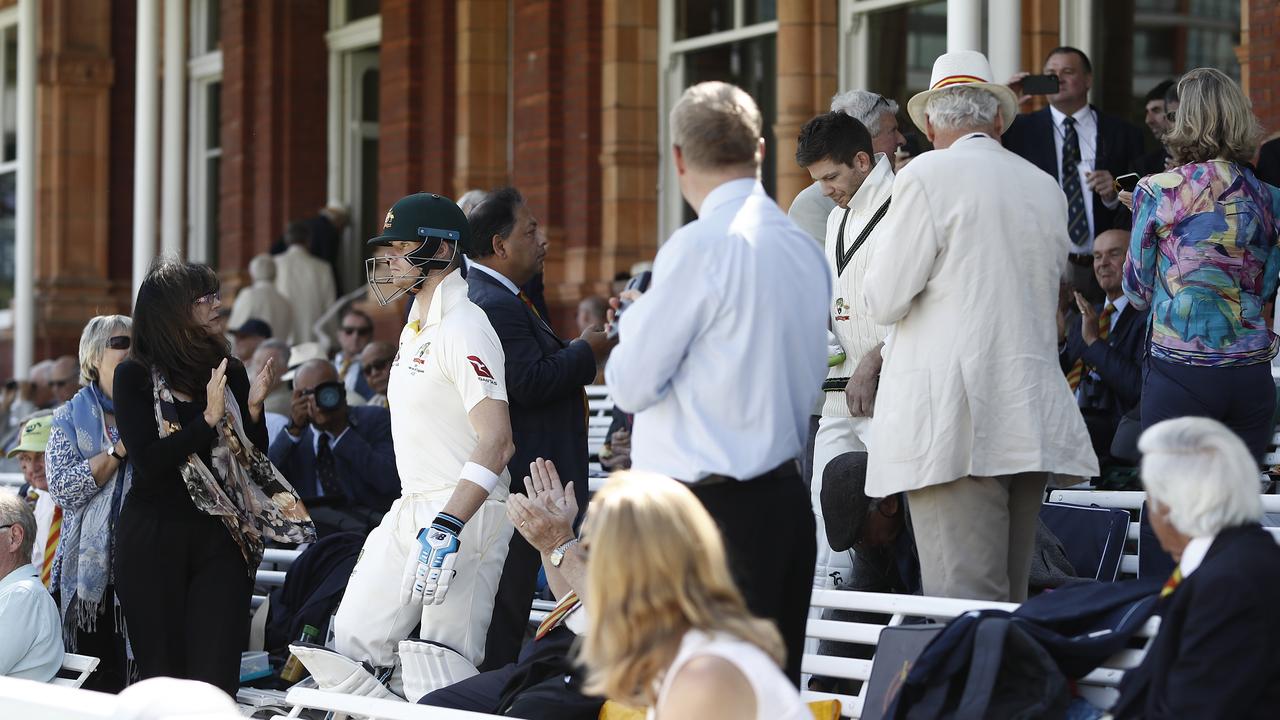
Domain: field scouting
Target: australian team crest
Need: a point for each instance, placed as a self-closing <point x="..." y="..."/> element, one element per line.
<point x="842" y="309"/>
<point x="391" y="217"/>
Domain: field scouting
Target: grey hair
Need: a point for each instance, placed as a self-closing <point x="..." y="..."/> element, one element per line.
<point x="272" y="345"/>
<point x="1203" y="473"/>
<point x="866" y="107"/>
<point x="14" y="510"/>
<point x="962" y="108"/>
<point x="93" y="341"/>
<point x="470" y="199"/>
<point x="263" y="268"/>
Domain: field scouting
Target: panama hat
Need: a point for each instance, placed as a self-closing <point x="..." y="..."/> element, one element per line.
<point x="964" y="67"/>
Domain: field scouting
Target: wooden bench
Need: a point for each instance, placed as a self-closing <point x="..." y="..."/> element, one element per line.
<point x="1132" y="500"/>
<point x="1098" y="686"/>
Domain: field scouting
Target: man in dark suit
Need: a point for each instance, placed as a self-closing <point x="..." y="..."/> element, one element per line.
<point x="340" y="459"/>
<point x="1216" y="654"/>
<point x="1101" y="347"/>
<point x="545" y="381"/>
<point x="1083" y="148"/>
<point x="1269" y="162"/>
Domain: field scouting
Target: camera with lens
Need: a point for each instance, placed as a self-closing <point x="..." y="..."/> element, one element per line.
<point x="329" y="396"/>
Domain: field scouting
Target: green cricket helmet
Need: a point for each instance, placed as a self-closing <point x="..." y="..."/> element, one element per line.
<point x="425" y="218"/>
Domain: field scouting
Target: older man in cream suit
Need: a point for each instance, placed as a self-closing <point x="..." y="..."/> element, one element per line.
<point x="973" y="415"/>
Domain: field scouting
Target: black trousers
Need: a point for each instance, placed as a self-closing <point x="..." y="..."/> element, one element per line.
<point x="542" y="685"/>
<point x="770" y="535"/>
<point x="106" y="643"/>
<point x="1241" y="397"/>
<point x="185" y="593"/>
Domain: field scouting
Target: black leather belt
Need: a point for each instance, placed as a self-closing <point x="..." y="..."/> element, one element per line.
<point x="1081" y="259"/>
<point x="786" y="470"/>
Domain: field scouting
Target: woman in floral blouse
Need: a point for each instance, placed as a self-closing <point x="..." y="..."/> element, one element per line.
<point x="1204" y="257"/>
<point x="88" y="477"/>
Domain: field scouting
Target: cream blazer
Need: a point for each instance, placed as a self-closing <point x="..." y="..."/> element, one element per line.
<point x="966" y="271"/>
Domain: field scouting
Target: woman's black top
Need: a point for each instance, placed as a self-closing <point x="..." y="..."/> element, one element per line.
<point x="156" y="461"/>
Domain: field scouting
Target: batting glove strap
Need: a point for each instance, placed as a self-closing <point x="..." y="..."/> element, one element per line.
<point x="448" y="523"/>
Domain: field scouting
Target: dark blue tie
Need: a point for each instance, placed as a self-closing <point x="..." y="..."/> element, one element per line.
<point x="327" y="468"/>
<point x="1077" y="221"/>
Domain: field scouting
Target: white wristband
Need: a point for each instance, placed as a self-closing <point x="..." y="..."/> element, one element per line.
<point x="480" y="475"/>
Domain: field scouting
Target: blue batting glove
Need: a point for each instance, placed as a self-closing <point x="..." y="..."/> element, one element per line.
<point x="429" y="572"/>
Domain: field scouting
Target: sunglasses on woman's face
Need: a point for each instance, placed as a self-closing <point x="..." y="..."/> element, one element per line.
<point x="376" y="366"/>
<point x="209" y="299"/>
<point x="119" y="342"/>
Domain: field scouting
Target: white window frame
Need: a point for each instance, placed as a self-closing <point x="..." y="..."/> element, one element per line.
<point x="671" y="69"/>
<point x="343" y="172"/>
<point x="855" y="38"/>
<point x="204" y="68"/>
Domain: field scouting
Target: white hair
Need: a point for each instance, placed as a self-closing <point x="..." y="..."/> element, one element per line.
<point x="1203" y="473"/>
<point x="470" y="199"/>
<point x="962" y="108"/>
<point x="93" y="341"/>
<point x="866" y="107"/>
<point x="262" y="268"/>
<point x="15" y="511"/>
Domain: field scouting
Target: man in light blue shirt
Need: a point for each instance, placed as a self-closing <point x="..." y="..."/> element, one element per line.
<point x="30" y="627"/>
<point x="722" y="360"/>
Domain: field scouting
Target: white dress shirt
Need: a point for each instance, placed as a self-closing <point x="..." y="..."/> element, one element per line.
<point x="352" y="377"/>
<point x="506" y="282"/>
<point x="1087" y="134"/>
<point x="31" y="627"/>
<point x="723" y="358"/>
<point x="1193" y="554"/>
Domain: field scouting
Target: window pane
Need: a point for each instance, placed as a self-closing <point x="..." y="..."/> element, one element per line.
<point x="7" y="203"/>
<point x="372" y="219"/>
<point x="702" y="17"/>
<point x="758" y="11"/>
<point x="750" y="65"/>
<point x="212" y="206"/>
<point x="10" y="104"/>
<point x="213" y="117"/>
<point x="369" y="96"/>
<point x="904" y="44"/>
<point x="357" y="9"/>
<point x="213" y="25"/>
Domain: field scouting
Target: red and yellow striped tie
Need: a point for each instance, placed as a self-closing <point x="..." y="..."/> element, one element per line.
<point x="1104" y="329"/>
<point x="51" y="546"/>
<point x="1172" y="583"/>
<point x="567" y="604"/>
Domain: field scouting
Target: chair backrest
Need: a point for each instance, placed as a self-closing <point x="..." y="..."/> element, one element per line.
<point x="1132" y="500"/>
<point x="1092" y="537"/>
<point x="31" y="699"/>
<point x="361" y="706"/>
<point x="1098" y="686"/>
<point x="75" y="669"/>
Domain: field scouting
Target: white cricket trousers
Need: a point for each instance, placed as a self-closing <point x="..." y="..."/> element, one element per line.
<point x="836" y="436"/>
<point x="371" y="622"/>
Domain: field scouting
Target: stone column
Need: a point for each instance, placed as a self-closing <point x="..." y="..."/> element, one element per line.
<point x="808" y="67"/>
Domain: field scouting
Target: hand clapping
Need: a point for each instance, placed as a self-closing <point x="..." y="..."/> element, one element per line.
<point x="545" y="518"/>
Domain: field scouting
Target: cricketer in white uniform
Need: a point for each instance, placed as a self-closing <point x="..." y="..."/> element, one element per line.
<point x="862" y="191"/>
<point x="437" y="556"/>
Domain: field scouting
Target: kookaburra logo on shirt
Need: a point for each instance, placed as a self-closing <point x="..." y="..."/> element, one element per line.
<point x="482" y="370"/>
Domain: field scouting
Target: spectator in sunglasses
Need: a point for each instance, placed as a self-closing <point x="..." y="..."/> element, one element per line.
<point x="89" y="473"/>
<point x="375" y="364"/>
<point x="354" y="334"/>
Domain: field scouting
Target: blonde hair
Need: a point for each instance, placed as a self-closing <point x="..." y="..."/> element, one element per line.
<point x="656" y="569"/>
<point x="717" y="125"/>
<point x="1214" y="120"/>
<point x="93" y="342"/>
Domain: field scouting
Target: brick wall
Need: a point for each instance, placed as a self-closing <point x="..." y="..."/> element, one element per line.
<point x="1260" y="60"/>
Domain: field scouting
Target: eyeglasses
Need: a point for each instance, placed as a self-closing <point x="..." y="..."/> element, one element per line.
<point x="361" y="331"/>
<point x="5" y="527"/>
<point x="376" y="366"/>
<point x="880" y="100"/>
<point x="209" y="299"/>
<point x="119" y="342"/>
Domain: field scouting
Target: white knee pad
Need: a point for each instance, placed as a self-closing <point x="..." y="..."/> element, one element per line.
<point x="428" y="666"/>
<point x="334" y="672"/>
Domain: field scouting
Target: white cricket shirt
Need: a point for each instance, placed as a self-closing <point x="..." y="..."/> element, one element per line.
<point x="441" y="372"/>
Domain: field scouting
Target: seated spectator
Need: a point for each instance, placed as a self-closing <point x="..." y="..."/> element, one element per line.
<point x="89" y="473"/>
<point x="340" y="459"/>
<point x="615" y="454"/>
<point x="279" y="399"/>
<point x="30" y="453"/>
<point x="668" y="629"/>
<point x="375" y="363"/>
<point x="544" y="683"/>
<point x="355" y="332"/>
<point x="65" y="381"/>
<point x="248" y="337"/>
<point x="1216" y="654"/>
<point x="261" y="300"/>
<point x="32" y="636"/>
<point x="1100" y="348"/>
